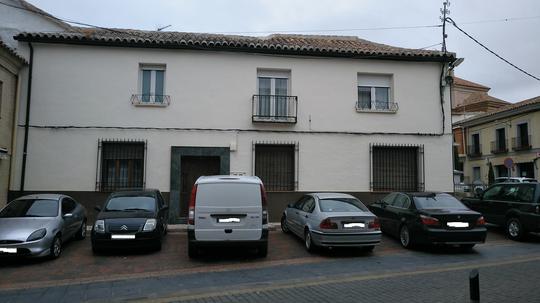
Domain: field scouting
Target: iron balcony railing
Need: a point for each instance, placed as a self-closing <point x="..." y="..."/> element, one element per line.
<point x="376" y="106"/>
<point x="521" y="143"/>
<point x="274" y="108"/>
<point x="499" y="147"/>
<point x="474" y="150"/>
<point x="150" y="100"/>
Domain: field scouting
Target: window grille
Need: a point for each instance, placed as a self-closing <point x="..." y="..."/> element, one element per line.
<point x="276" y="165"/>
<point x="397" y="168"/>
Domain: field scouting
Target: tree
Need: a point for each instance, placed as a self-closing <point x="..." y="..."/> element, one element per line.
<point x="491" y="174"/>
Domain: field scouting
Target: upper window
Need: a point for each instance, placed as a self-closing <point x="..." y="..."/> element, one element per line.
<point x="273" y="101"/>
<point x="522" y="140"/>
<point x="374" y="93"/>
<point x="475" y="148"/>
<point x="122" y="165"/>
<point x="151" y="86"/>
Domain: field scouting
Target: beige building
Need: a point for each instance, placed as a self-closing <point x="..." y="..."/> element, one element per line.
<point x="10" y="64"/>
<point x="509" y="133"/>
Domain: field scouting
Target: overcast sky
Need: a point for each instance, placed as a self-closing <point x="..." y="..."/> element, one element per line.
<point x="518" y="40"/>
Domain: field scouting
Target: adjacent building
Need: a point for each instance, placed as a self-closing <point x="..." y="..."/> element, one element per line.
<point x="114" y="109"/>
<point x="506" y="134"/>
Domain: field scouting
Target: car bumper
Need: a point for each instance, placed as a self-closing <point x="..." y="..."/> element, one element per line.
<point x="441" y="236"/>
<point x="39" y="248"/>
<point x="142" y="240"/>
<point x="248" y="243"/>
<point x="346" y="239"/>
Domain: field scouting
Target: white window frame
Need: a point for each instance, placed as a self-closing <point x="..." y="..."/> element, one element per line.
<point x="479" y="173"/>
<point x="152" y="68"/>
<point x="274" y="74"/>
<point x="374" y="81"/>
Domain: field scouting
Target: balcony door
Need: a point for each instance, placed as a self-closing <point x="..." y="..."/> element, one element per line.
<point x="273" y="90"/>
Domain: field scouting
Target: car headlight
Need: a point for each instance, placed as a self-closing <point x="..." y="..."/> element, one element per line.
<point x="150" y="225"/>
<point x="99" y="227"/>
<point x="38" y="234"/>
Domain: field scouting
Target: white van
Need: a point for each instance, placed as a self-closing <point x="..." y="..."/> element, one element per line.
<point x="228" y="210"/>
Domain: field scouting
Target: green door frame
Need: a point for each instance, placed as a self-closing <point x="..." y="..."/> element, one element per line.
<point x="176" y="159"/>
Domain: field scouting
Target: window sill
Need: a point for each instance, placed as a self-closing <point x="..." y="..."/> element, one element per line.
<point x="150" y="104"/>
<point x="275" y="120"/>
<point x="370" y="110"/>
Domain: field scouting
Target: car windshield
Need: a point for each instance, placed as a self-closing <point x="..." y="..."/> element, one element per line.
<point x="131" y="203"/>
<point x="341" y="205"/>
<point x="438" y="202"/>
<point x="30" y="208"/>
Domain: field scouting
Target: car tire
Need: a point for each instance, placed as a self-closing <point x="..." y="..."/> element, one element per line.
<point x="193" y="251"/>
<point x="158" y="245"/>
<point x="368" y="248"/>
<point x="405" y="237"/>
<point x="81" y="233"/>
<point x="515" y="230"/>
<point x="262" y="250"/>
<point x="308" y="242"/>
<point x="284" y="228"/>
<point x="56" y="247"/>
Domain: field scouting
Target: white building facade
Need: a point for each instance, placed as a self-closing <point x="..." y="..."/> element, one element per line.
<point x="157" y="110"/>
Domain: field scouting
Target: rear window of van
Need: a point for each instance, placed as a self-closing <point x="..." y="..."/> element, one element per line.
<point x="228" y="194"/>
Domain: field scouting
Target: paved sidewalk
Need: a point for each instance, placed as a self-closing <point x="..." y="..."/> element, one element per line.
<point x="424" y="273"/>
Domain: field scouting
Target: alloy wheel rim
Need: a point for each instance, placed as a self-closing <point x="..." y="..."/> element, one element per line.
<point x="83" y="230"/>
<point x="57" y="247"/>
<point x="513" y="229"/>
<point x="308" y="240"/>
<point x="284" y="225"/>
<point x="404" y="236"/>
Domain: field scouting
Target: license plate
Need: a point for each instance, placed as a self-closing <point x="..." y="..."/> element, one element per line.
<point x="122" y="237"/>
<point x="353" y="225"/>
<point x="457" y="224"/>
<point x="8" y="250"/>
<point x="229" y="220"/>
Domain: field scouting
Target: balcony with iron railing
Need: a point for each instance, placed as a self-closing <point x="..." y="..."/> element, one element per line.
<point x="499" y="147"/>
<point x="521" y="143"/>
<point x="376" y="106"/>
<point x="150" y="100"/>
<point x="474" y="151"/>
<point x="274" y="108"/>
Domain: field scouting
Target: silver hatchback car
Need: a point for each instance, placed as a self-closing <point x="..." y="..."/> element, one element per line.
<point x="37" y="225"/>
<point x="332" y="220"/>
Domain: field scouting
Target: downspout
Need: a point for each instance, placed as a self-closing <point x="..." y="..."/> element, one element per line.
<point x="27" y="120"/>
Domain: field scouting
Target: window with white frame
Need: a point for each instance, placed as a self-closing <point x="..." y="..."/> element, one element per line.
<point x="273" y="94"/>
<point x="152" y="84"/>
<point x="374" y="93"/>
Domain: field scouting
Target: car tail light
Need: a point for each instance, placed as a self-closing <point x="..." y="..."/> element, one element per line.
<point x="328" y="224"/>
<point x="429" y="220"/>
<point x="264" y="205"/>
<point x="375" y="224"/>
<point x="191" y="213"/>
<point x="481" y="221"/>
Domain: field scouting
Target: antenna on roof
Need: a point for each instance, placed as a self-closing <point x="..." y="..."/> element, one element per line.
<point x="159" y="29"/>
<point x="444" y="11"/>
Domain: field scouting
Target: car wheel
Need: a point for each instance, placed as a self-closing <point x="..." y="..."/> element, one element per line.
<point x="193" y="251"/>
<point x="308" y="242"/>
<point x="81" y="233"/>
<point x="262" y="250"/>
<point x="56" y="247"/>
<point x="405" y="237"/>
<point x="284" y="228"/>
<point x="158" y="245"/>
<point x="514" y="229"/>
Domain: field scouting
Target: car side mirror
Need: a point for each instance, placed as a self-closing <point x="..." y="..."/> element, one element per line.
<point x="68" y="215"/>
<point x="97" y="208"/>
<point x="478" y="192"/>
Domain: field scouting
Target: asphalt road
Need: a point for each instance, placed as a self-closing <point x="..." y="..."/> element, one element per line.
<point x="509" y="271"/>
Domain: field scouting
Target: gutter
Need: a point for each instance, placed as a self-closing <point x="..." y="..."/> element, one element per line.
<point x="27" y="120"/>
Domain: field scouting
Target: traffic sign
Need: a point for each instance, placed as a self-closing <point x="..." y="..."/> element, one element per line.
<point x="508" y="162"/>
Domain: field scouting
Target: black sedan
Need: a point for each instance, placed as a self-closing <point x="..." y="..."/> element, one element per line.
<point x="131" y="219"/>
<point x="429" y="218"/>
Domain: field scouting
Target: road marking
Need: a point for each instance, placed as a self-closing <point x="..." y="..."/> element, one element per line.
<point x="323" y="281"/>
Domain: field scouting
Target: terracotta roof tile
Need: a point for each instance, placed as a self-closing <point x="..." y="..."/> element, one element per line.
<point x="12" y="52"/>
<point x="510" y="107"/>
<point x="463" y="82"/>
<point x="341" y="46"/>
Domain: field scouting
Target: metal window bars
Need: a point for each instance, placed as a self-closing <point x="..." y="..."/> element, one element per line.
<point x="274" y="108"/>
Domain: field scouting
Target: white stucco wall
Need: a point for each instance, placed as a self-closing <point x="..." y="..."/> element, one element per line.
<point x="91" y="86"/>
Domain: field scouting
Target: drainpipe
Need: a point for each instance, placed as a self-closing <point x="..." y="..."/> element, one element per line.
<point x="27" y="120"/>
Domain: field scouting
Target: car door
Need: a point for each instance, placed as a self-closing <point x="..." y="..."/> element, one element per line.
<point x="508" y="199"/>
<point x="381" y="211"/>
<point x="71" y="218"/>
<point x="395" y="212"/>
<point x="486" y="205"/>
<point x="305" y="212"/>
<point x="293" y="215"/>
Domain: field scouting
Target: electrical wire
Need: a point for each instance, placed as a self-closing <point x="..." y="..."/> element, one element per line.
<point x="489" y="50"/>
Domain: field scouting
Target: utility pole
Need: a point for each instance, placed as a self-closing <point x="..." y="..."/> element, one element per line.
<point x="444" y="11"/>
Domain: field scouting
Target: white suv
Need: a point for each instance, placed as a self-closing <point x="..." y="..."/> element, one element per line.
<point x="228" y="211"/>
